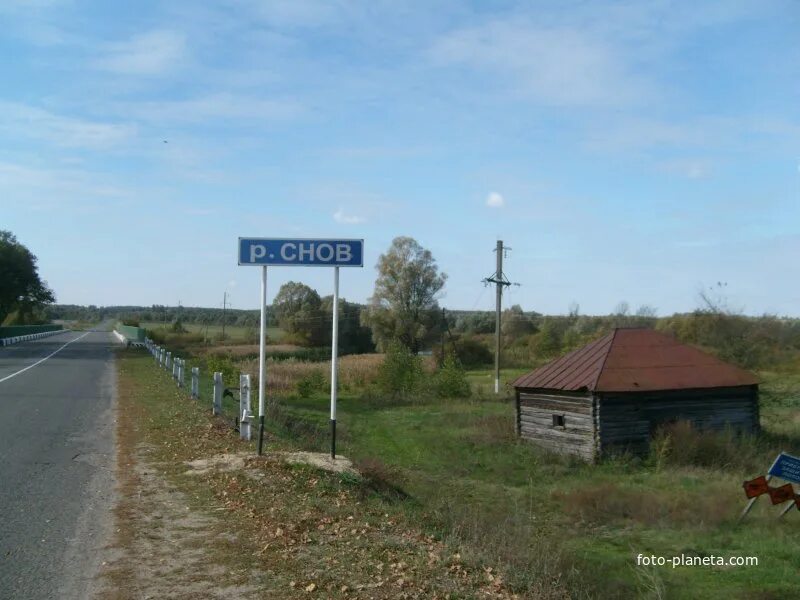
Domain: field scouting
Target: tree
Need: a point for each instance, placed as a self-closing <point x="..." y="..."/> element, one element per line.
<point x="21" y="288"/>
<point x="298" y="309"/>
<point x="515" y="323"/>
<point x="354" y="336"/>
<point x="547" y="343"/>
<point x="404" y="303"/>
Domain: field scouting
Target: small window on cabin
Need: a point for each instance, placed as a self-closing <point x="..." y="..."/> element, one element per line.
<point x="558" y="420"/>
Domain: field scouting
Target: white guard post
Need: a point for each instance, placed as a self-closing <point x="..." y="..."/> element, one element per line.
<point x="262" y="360"/>
<point x="334" y="360"/>
<point x="244" y="406"/>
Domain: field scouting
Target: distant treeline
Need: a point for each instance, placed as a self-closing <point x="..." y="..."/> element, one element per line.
<point x="159" y="314"/>
<point x="528" y="337"/>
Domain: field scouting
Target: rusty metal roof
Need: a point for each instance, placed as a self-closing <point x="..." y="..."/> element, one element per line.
<point x="635" y="360"/>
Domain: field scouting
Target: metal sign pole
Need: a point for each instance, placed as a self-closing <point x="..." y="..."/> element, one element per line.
<point x="262" y="366"/>
<point x="334" y="359"/>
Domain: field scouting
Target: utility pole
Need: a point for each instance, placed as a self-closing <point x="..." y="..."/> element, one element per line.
<point x="224" y="303"/>
<point x="444" y="320"/>
<point x="500" y="281"/>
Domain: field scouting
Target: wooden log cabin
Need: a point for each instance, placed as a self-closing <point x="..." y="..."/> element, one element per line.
<point x="613" y="393"/>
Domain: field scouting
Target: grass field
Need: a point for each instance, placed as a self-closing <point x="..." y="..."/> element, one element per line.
<point x="546" y="516"/>
<point x="552" y="523"/>
<point x="233" y="333"/>
<point x="299" y="532"/>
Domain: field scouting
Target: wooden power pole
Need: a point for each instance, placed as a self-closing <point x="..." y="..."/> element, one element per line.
<point x="224" y="306"/>
<point x="500" y="281"/>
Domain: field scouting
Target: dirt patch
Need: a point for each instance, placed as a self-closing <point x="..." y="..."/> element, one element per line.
<point x="225" y="463"/>
<point x="320" y="460"/>
<point x="170" y="548"/>
<point x="165" y="546"/>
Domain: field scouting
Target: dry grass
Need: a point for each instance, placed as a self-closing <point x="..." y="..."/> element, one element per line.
<point x="605" y="503"/>
<point x="355" y="370"/>
<point x="238" y="351"/>
<point x="494" y="429"/>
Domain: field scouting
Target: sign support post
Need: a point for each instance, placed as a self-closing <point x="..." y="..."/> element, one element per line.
<point x="262" y="362"/>
<point x="334" y="360"/>
<point x="285" y="252"/>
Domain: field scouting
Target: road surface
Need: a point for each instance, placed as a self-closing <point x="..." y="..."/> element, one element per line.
<point x="57" y="463"/>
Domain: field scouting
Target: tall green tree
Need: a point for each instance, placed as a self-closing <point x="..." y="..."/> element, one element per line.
<point x="298" y="309"/>
<point x="21" y="289"/>
<point x="404" y="303"/>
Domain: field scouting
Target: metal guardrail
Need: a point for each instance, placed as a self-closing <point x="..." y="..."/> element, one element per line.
<point x="176" y="366"/>
<point x="123" y="339"/>
<point x="29" y="337"/>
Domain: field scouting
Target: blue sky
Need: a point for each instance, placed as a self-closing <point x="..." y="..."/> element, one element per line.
<point x="634" y="151"/>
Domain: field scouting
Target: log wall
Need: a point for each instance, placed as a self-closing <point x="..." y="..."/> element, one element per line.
<point x="607" y="422"/>
<point x="535" y="422"/>
<point x="627" y="420"/>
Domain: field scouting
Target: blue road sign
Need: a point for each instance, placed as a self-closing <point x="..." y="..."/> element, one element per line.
<point x="301" y="252"/>
<point x="786" y="467"/>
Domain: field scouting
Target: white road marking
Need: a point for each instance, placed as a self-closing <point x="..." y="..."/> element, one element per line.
<point x="38" y="362"/>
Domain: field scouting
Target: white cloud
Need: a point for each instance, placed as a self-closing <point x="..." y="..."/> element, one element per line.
<point x="216" y="106"/>
<point x="295" y="13"/>
<point x="24" y="121"/>
<point x="495" y="200"/>
<point x="557" y="65"/>
<point x="151" y="53"/>
<point x="43" y="188"/>
<point x="341" y="217"/>
<point x="690" y="168"/>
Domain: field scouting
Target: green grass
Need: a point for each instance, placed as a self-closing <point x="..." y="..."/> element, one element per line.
<point x="549" y="518"/>
<point x="234" y="334"/>
<point x="470" y="478"/>
<point x="349" y="535"/>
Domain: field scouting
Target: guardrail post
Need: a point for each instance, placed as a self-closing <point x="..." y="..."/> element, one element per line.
<point x="244" y="407"/>
<point x="175" y="362"/>
<point x="216" y="407"/>
<point x="195" y="382"/>
<point x="162" y="355"/>
<point x="180" y="372"/>
<point x="168" y="361"/>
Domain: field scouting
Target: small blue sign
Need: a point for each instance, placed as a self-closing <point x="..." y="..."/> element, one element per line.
<point x="301" y="252"/>
<point x="786" y="467"/>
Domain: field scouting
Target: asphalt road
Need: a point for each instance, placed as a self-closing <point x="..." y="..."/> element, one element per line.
<point x="56" y="464"/>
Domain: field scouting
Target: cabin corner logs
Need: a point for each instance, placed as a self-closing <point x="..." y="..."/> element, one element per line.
<point x="612" y="394"/>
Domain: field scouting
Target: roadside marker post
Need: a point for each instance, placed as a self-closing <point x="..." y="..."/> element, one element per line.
<point x="216" y="406"/>
<point x="244" y="406"/>
<point x="284" y="252"/>
<point x="195" y="382"/>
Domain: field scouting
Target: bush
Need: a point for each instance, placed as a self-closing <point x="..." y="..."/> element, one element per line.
<point x="230" y="373"/>
<point x="130" y="321"/>
<point x="385" y="480"/>
<point x="680" y="444"/>
<point x="313" y="382"/>
<point x="451" y="380"/>
<point x="473" y="353"/>
<point x="401" y="372"/>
